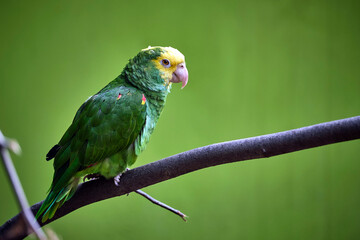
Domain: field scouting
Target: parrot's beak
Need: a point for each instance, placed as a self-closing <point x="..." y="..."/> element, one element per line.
<point x="180" y="75"/>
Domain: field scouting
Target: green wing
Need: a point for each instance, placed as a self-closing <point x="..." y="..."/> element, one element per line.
<point x="104" y="125"/>
<point x="108" y="123"/>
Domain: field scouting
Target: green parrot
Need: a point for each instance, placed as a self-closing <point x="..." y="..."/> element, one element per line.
<point x="113" y="126"/>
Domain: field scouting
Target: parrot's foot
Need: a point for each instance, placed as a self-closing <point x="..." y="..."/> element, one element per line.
<point x="92" y="176"/>
<point x="118" y="177"/>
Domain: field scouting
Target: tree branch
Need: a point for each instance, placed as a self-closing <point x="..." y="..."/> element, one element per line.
<point x="233" y="151"/>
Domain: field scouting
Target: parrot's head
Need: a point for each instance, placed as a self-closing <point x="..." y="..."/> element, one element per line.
<point x="171" y="64"/>
<point x="155" y="68"/>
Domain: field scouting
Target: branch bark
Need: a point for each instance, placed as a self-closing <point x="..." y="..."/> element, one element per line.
<point x="233" y="151"/>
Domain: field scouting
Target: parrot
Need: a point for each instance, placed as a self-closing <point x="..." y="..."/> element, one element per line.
<point x="112" y="127"/>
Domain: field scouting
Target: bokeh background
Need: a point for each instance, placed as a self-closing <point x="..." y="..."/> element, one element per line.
<point x="256" y="67"/>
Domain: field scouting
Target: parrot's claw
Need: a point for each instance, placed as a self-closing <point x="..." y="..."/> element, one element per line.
<point x="118" y="177"/>
<point x="92" y="176"/>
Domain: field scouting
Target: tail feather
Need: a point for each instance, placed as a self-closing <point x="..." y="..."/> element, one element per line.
<point x="50" y="211"/>
<point x="61" y="191"/>
<point x="51" y="203"/>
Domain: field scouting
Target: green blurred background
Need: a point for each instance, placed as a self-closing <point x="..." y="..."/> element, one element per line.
<point x="256" y="67"/>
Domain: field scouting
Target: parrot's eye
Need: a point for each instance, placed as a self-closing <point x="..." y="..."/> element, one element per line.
<point x="165" y="63"/>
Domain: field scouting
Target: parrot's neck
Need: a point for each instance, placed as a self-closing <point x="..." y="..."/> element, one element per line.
<point x="155" y="102"/>
<point x="153" y="111"/>
<point x="156" y="105"/>
<point x="150" y="83"/>
<point x="146" y="78"/>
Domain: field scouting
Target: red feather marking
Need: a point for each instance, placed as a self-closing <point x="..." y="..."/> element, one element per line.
<point x="91" y="165"/>
<point x="143" y="100"/>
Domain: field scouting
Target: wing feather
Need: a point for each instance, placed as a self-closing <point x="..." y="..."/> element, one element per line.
<point x="107" y="123"/>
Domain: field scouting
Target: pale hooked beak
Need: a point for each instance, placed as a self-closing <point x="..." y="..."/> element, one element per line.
<point x="180" y="75"/>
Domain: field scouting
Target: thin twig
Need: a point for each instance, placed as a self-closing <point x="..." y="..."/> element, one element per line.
<point x="216" y="154"/>
<point x="28" y="216"/>
<point x="95" y="176"/>
<point x="163" y="205"/>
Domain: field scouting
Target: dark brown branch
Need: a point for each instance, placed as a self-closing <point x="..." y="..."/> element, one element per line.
<point x="239" y="150"/>
<point x="28" y="222"/>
